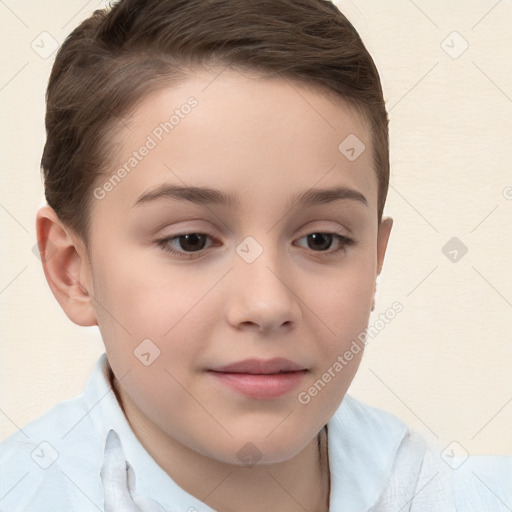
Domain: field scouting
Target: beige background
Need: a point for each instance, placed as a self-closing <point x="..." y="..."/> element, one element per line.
<point x="443" y="364"/>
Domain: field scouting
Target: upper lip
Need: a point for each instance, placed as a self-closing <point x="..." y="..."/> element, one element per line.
<point x="260" y="366"/>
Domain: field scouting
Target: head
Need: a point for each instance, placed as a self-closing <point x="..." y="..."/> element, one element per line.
<point x="190" y="147"/>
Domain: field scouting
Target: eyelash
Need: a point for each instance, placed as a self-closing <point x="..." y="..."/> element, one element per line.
<point x="163" y="243"/>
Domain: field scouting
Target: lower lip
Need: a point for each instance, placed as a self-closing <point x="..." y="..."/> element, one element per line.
<point x="264" y="387"/>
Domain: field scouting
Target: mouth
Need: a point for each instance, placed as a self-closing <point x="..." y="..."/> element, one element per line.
<point x="261" y="366"/>
<point x="260" y="379"/>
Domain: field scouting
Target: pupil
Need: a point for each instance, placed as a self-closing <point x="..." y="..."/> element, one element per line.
<point x="190" y="240"/>
<point x="326" y="238"/>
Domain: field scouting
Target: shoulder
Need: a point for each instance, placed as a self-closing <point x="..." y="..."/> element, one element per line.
<point x="483" y="483"/>
<point x="52" y="462"/>
<point x="398" y="466"/>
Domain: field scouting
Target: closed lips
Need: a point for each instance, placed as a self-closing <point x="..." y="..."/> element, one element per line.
<point x="261" y="367"/>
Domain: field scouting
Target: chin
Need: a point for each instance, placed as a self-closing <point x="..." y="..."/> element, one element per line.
<point x="255" y="448"/>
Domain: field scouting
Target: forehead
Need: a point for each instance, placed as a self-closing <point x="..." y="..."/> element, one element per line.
<point x="247" y="135"/>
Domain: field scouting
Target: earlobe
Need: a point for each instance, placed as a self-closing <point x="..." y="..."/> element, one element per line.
<point x="65" y="266"/>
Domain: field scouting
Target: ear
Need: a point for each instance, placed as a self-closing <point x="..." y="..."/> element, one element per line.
<point x="382" y="244"/>
<point x="66" y="267"/>
<point x="382" y="241"/>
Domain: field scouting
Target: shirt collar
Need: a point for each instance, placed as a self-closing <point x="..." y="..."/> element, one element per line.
<point x="362" y="444"/>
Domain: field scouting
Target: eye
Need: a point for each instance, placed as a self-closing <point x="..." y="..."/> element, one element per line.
<point x="321" y="242"/>
<point x="190" y="243"/>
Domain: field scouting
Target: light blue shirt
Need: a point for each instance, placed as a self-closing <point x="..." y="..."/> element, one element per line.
<point x="83" y="456"/>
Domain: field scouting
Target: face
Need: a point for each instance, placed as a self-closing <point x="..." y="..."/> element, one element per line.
<point x="188" y="282"/>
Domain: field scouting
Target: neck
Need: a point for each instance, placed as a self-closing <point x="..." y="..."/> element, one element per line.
<point x="295" y="485"/>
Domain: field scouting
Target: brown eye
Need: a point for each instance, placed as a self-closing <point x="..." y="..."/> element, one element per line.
<point x="192" y="242"/>
<point x="184" y="245"/>
<point x="322" y="242"/>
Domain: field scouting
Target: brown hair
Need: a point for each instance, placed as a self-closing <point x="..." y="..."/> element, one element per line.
<point x="118" y="55"/>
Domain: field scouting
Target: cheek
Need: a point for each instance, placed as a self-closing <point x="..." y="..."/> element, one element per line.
<point x="343" y="298"/>
<point x="147" y="296"/>
<point x="342" y="307"/>
<point x="157" y="309"/>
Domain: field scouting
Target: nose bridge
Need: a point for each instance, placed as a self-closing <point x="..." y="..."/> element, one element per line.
<point x="261" y="292"/>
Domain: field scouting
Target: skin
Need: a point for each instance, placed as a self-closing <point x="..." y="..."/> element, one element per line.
<point x="263" y="140"/>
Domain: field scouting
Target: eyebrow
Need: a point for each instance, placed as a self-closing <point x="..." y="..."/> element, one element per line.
<point x="211" y="196"/>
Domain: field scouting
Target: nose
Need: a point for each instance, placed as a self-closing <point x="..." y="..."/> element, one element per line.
<point x="262" y="295"/>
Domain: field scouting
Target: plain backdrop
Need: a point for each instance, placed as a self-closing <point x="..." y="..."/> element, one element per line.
<point x="442" y="365"/>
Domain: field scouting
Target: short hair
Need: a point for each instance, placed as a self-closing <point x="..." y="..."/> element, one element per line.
<point x="114" y="58"/>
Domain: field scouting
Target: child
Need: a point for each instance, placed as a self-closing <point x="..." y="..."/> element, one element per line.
<point x="259" y="129"/>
